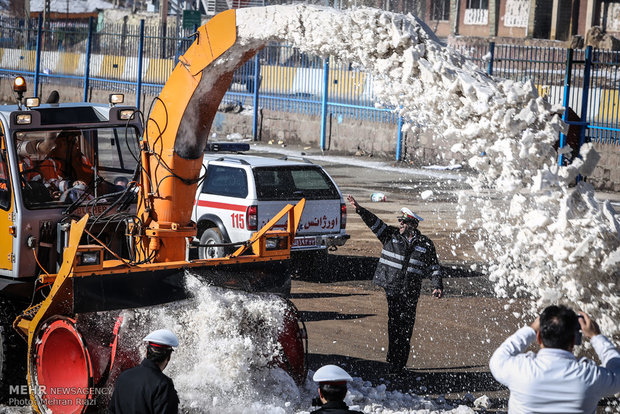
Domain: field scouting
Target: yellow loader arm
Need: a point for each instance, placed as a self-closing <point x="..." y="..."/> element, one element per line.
<point x="176" y="135"/>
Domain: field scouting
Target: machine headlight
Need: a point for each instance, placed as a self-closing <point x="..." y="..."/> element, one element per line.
<point x="116" y="98"/>
<point x="276" y="243"/>
<point x="89" y="258"/>
<point x="23" y="119"/>
<point x="33" y="102"/>
<point x="126" y="114"/>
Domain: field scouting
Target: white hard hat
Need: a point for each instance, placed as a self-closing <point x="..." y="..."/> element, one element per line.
<point x="162" y="337"/>
<point x="406" y="214"/>
<point x="331" y="373"/>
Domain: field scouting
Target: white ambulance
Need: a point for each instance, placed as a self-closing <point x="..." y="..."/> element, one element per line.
<point x="240" y="193"/>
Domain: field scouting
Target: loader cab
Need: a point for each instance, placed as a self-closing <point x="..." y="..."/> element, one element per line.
<point x="57" y="163"/>
<point x="60" y="167"/>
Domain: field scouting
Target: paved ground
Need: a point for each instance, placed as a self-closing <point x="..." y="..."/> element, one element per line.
<point x="453" y="338"/>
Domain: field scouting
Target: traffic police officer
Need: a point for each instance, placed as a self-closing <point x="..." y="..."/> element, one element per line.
<point x="332" y="382"/>
<point x="145" y="388"/>
<point x="407" y="256"/>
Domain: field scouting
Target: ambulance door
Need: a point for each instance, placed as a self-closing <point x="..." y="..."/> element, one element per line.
<point x="7" y="229"/>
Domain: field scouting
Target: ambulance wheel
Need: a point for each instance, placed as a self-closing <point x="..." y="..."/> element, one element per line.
<point x="211" y="236"/>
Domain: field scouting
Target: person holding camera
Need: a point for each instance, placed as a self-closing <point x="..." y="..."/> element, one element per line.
<point x="406" y="258"/>
<point x="332" y="382"/>
<point x="553" y="380"/>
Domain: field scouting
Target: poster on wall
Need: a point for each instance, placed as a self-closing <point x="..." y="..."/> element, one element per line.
<point x="517" y="13"/>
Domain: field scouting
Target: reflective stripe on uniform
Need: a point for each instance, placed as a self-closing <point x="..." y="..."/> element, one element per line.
<point x="390" y="263"/>
<point x="415" y="270"/>
<point x="376" y="225"/>
<point x="416" y="262"/>
<point x="392" y="254"/>
<point x="380" y="231"/>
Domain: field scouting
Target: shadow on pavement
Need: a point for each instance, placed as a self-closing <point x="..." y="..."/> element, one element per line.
<point x="309" y="316"/>
<point x="343" y="268"/>
<point x="322" y="295"/>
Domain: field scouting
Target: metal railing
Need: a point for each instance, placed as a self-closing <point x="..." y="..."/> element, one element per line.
<point x="139" y="59"/>
<point x="586" y="81"/>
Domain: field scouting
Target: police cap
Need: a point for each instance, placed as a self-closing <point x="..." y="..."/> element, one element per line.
<point x="162" y="337"/>
<point x="331" y="373"/>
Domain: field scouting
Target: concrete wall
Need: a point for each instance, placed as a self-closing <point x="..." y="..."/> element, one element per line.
<point x="607" y="173"/>
<point x="347" y="137"/>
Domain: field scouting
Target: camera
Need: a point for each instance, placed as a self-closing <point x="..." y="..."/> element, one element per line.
<point x="578" y="334"/>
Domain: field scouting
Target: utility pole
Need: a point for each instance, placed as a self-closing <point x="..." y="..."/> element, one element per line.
<point x="46" y="13"/>
<point x="26" y="10"/>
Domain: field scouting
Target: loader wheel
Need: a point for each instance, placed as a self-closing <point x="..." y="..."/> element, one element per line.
<point x="294" y="341"/>
<point x="211" y="236"/>
<point x="12" y="361"/>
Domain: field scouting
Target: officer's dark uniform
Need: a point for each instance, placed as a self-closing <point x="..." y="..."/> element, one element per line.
<point x="400" y="270"/>
<point x="335" y="407"/>
<point x="144" y="390"/>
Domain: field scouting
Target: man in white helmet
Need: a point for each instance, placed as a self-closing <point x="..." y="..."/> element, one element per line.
<point x="332" y="382"/>
<point x="145" y="388"/>
<point x="406" y="258"/>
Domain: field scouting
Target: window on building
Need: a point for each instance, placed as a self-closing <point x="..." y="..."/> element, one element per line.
<point x="440" y="10"/>
<point x="478" y="4"/>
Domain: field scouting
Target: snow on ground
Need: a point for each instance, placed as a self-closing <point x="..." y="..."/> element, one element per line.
<point x="358" y="162"/>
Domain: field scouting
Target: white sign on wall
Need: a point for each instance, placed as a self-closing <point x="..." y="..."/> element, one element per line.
<point x="613" y="18"/>
<point x="517" y="13"/>
<point x="477" y="16"/>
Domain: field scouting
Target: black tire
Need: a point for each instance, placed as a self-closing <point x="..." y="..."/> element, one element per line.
<point x="211" y="236"/>
<point x="12" y="359"/>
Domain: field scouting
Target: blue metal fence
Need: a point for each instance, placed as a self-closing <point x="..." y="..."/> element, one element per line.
<point x="586" y="81"/>
<point x="139" y="59"/>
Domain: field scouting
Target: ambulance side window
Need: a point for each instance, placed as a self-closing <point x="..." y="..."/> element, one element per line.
<point x="226" y="181"/>
<point x="5" y="184"/>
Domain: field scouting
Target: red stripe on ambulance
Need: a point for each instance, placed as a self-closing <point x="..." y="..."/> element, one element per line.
<point x="223" y="206"/>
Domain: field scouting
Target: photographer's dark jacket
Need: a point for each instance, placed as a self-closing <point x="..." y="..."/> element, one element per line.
<point x="144" y="390"/>
<point x="403" y="263"/>
<point x="335" y="407"/>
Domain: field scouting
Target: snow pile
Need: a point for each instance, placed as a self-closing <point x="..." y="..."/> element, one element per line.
<point x="557" y="244"/>
<point x="226" y="342"/>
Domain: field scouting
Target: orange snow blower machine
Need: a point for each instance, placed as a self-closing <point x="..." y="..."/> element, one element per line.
<point x="98" y="206"/>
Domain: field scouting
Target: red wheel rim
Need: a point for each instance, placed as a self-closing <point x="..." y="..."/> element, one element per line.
<point x="64" y="370"/>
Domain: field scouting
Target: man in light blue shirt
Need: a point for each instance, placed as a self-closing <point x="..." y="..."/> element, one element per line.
<point x="553" y="380"/>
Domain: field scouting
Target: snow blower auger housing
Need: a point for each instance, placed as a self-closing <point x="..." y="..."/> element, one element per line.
<point x="98" y="206"/>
